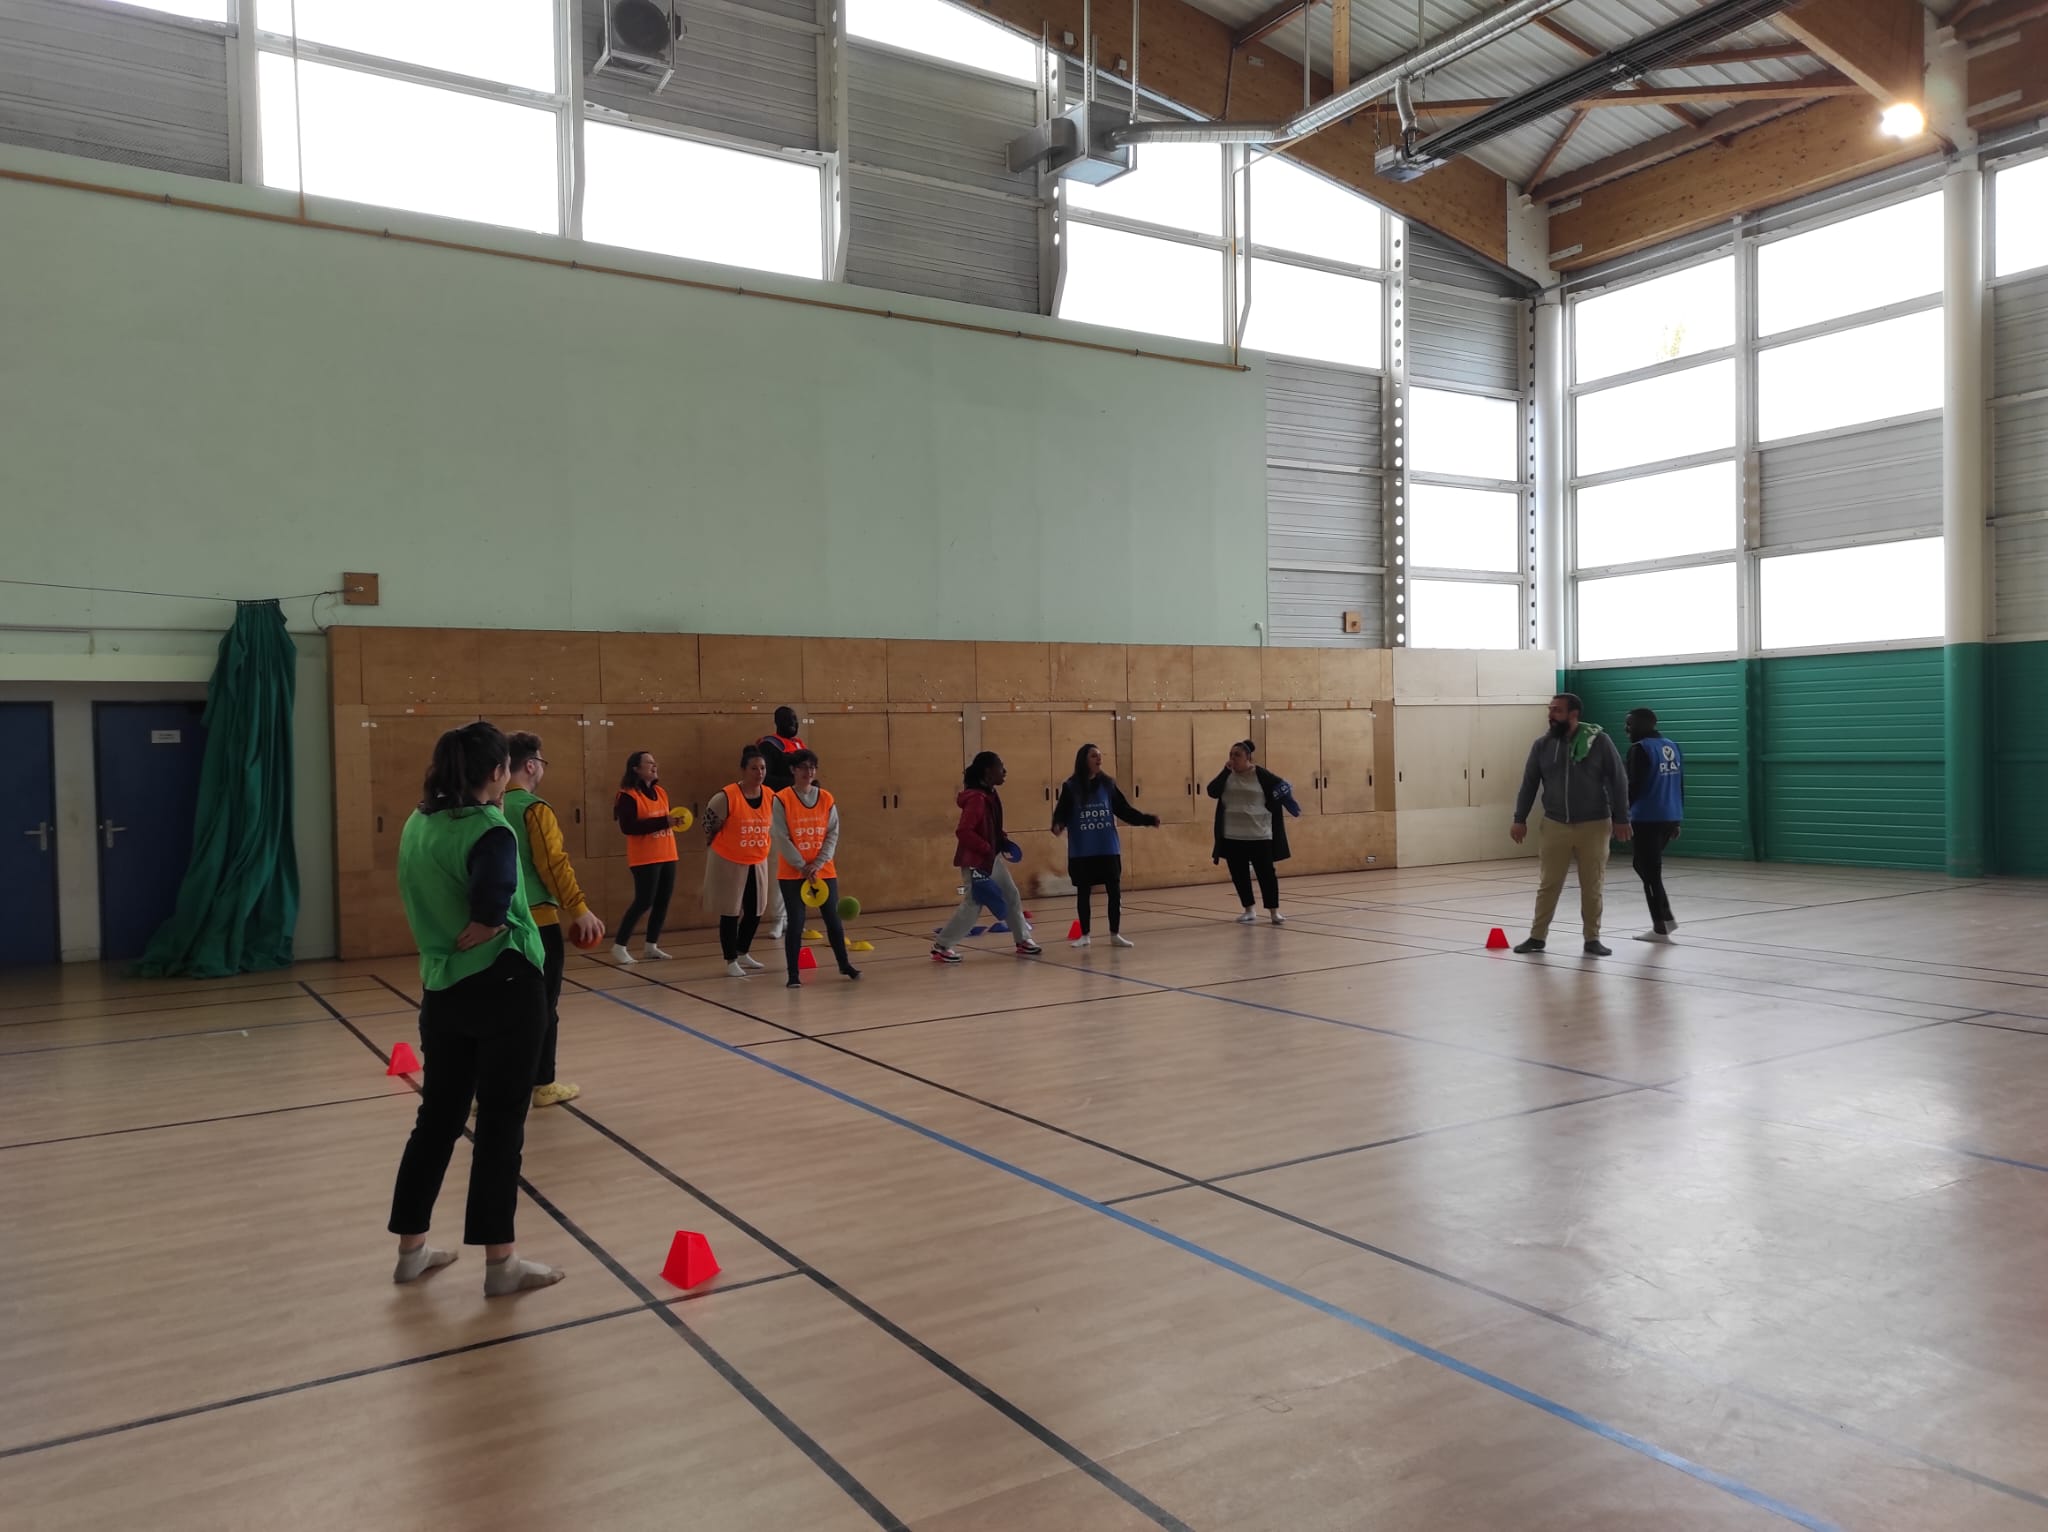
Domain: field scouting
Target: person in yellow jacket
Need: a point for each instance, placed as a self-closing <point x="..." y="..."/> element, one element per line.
<point x="552" y="893"/>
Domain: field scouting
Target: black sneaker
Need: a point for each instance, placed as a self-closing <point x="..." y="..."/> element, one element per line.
<point x="1596" y="949"/>
<point x="1533" y="944"/>
<point x="851" y="972"/>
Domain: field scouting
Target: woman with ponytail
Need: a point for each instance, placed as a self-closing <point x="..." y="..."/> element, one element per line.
<point x="1252" y="806"/>
<point x="483" y="1013"/>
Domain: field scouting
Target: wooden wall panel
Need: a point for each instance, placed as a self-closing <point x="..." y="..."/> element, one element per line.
<point x="1089" y="673"/>
<point x="420" y="665"/>
<point x="1337" y="843"/>
<point x="846" y="670"/>
<point x="345" y="665"/>
<point x="1354" y="675"/>
<point x="1226" y="674"/>
<point x="1289" y="675"/>
<point x="353" y="851"/>
<point x="931" y="670"/>
<point x="1174" y="855"/>
<point x="538" y="667"/>
<point x="1159" y="673"/>
<point x="733" y="667"/>
<point x="1214" y="734"/>
<point x="1070" y="731"/>
<point x="1350" y="784"/>
<point x="1293" y="748"/>
<point x="649" y="667"/>
<point x="1013" y="672"/>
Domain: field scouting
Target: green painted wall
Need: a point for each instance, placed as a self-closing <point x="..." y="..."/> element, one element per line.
<point x="2018" y="842"/>
<point x="1833" y="758"/>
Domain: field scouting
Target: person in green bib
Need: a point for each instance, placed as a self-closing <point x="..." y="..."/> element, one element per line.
<point x="483" y="1011"/>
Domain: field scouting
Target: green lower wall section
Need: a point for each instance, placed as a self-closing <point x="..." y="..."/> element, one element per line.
<point x="1822" y="758"/>
<point x="2018" y="831"/>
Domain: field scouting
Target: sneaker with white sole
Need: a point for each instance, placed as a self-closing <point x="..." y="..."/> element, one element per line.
<point x="622" y="957"/>
<point x="1081" y="941"/>
<point x="654" y="952"/>
<point x="747" y="961"/>
<point x="1117" y="939"/>
<point x="945" y="955"/>
<point x="1662" y="938"/>
<point x="555" y="1093"/>
<point x="1278" y="918"/>
<point x="1247" y="919"/>
<point x="734" y="971"/>
<point x="1028" y="948"/>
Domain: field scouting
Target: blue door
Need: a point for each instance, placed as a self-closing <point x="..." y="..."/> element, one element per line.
<point x="28" y="832"/>
<point x="147" y="757"/>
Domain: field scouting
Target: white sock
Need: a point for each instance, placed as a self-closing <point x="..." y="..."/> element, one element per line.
<point x="516" y="1274"/>
<point x="416" y="1263"/>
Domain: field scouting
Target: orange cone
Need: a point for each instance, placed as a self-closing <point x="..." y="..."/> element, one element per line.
<point x="806" y="959"/>
<point x="1496" y="940"/>
<point x="690" y="1260"/>
<point x="403" y="1060"/>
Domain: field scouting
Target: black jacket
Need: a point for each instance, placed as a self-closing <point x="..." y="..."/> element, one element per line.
<point x="1277" y="793"/>
<point x="1063" y="811"/>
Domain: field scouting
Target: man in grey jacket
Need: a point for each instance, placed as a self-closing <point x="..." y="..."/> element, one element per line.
<point x="1585" y="801"/>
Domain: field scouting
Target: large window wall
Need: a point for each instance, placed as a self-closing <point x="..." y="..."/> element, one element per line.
<point x="1756" y="443"/>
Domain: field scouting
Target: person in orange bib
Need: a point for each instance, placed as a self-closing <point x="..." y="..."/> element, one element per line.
<point x="737" y="823"/>
<point x="642" y="812"/>
<point x="805" y="832"/>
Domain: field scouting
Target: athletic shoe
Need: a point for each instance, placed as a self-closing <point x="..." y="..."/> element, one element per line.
<point x="655" y="952"/>
<point x="945" y="955"/>
<point x="622" y="957"/>
<point x="1247" y="919"/>
<point x="555" y="1094"/>
<point x="1670" y="926"/>
<point x="850" y="971"/>
<point x="1596" y="949"/>
<point x="1661" y="938"/>
<point x="1118" y="940"/>
<point x="794" y="983"/>
<point x="1028" y="948"/>
<point x="1278" y="918"/>
<point x="734" y="971"/>
<point x="749" y="962"/>
<point x="1080" y="941"/>
<point x="1533" y="944"/>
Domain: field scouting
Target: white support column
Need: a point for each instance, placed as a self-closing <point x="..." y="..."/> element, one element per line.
<point x="1548" y="585"/>
<point x="1963" y="478"/>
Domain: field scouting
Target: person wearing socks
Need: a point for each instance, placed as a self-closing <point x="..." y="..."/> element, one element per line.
<point x="642" y="812"/>
<point x="778" y="749"/>
<point x="805" y="833"/>
<point x="979" y="853"/>
<point x="482" y="1012"/>
<point x="552" y="894"/>
<point x="738" y="824"/>
<point x="1251" y="832"/>
<point x="1089" y="806"/>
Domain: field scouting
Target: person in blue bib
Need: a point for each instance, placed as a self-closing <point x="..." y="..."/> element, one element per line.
<point x="1656" y="805"/>
<point x="1089" y="806"/>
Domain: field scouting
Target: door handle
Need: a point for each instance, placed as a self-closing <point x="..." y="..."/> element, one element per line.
<point x="108" y="830"/>
<point x="41" y="834"/>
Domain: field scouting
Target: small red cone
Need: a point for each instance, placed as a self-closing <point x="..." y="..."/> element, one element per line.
<point x="403" y="1060"/>
<point x="690" y="1260"/>
<point x="1074" y="932"/>
<point x="1496" y="940"/>
<point x="806" y="959"/>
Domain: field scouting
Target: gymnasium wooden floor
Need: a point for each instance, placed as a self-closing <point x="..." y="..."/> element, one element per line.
<point x="1346" y="1225"/>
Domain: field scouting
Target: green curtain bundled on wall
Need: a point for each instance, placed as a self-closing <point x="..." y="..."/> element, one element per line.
<point x="240" y="898"/>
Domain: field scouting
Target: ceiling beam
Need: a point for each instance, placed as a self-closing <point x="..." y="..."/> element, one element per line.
<point x="1656" y="150"/>
<point x="1591" y="50"/>
<point x="1813" y="88"/>
<point x="1187" y="59"/>
<point x="1807" y="151"/>
<point x="1993" y="20"/>
<point x="1572" y="125"/>
<point x="1340" y="44"/>
<point x="1726" y="56"/>
<point x="1269" y="23"/>
<point x="1880" y="44"/>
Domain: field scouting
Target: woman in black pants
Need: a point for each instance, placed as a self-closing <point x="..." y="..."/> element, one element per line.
<point x="644" y="817"/>
<point x="1251" y="828"/>
<point x="483" y="1012"/>
<point x="1090" y="805"/>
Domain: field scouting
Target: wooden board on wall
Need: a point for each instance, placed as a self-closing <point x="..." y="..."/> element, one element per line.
<point x="1159" y="673"/>
<point x="1355" y="675"/>
<point x="1293" y="749"/>
<point x="1226" y="674"/>
<point x="1024" y="741"/>
<point x="845" y="670"/>
<point x="746" y="668"/>
<point x="1349" y="780"/>
<point x="344" y="664"/>
<point x="1289" y="675"/>
<point x="648" y="667"/>
<point x="538" y="667"/>
<point x="1089" y="673"/>
<point x="420" y="665"/>
<point x="1013" y="672"/>
<point x="931" y="670"/>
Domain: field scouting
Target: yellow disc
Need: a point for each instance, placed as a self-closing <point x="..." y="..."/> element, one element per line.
<point x="682" y="816"/>
<point x="815" y="892"/>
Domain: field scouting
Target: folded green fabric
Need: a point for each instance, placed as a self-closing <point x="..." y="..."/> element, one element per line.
<point x="1583" y="740"/>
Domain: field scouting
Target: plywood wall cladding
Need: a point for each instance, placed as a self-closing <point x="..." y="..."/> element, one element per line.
<point x="1089" y="673"/>
<point x="648" y="667"/>
<point x="744" y="668"/>
<point x="846" y="670"/>
<point x="1160" y="673"/>
<point x="1013" y="672"/>
<point x="538" y="667"/>
<point x="1230" y="675"/>
<point x="931" y="670"/>
<point x="421" y="665"/>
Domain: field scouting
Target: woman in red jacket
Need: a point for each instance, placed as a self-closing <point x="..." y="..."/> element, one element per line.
<point x="981" y="855"/>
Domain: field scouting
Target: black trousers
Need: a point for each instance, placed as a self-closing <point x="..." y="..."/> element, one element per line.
<point x="1090" y="871"/>
<point x="479" y="1041"/>
<point x="1246" y="857"/>
<point x="1647" y="850"/>
<point x="736" y="932"/>
<point x="796" y="912"/>
<point x="654" y="884"/>
<point x="551" y="979"/>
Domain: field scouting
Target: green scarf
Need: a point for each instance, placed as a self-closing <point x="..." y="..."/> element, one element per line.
<point x="1583" y="740"/>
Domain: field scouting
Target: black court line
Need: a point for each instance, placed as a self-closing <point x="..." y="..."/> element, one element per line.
<point x="1477" y="1288"/>
<point x="160" y="1037"/>
<point x="98" y="1433"/>
<point x="799" y="1438"/>
<point x="1999" y="1026"/>
<point x="144" y="1010"/>
<point x="197" y="1122"/>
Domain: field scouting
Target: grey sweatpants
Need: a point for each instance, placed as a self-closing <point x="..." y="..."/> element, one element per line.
<point x="964" y="918"/>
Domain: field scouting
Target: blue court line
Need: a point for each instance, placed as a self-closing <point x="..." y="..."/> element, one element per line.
<point x="1515" y="1391"/>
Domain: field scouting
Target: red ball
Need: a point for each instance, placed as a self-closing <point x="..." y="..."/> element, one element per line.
<point x="586" y="946"/>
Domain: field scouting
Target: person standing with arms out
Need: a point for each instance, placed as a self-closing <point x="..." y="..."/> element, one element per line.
<point x="1251" y="830"/>
<point x="552" y="894"/>
<point x="482" y="1012"/>
<point x="778" y="749"/>
<point x="979" y="851"/>
<point x="805" y="833"/>
<point x="1089" y="806"/>
<point x="643" y="816"/>
<point x="1656" y="805"/>
<point x="1585" y="801"/>
<point x="738" y="824"/>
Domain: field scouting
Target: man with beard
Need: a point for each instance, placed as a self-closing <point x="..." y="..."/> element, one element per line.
<point x="1585" y="800"/>
<point x="1656" y="804"/>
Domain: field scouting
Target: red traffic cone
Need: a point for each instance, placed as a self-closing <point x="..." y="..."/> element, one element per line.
<point x="1074" y="932"/>
<point x="403" y="1060"/>
<point x="1496" y="940"/>
<point x="690" y="1260"/>
<point x="806" y="959"/>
